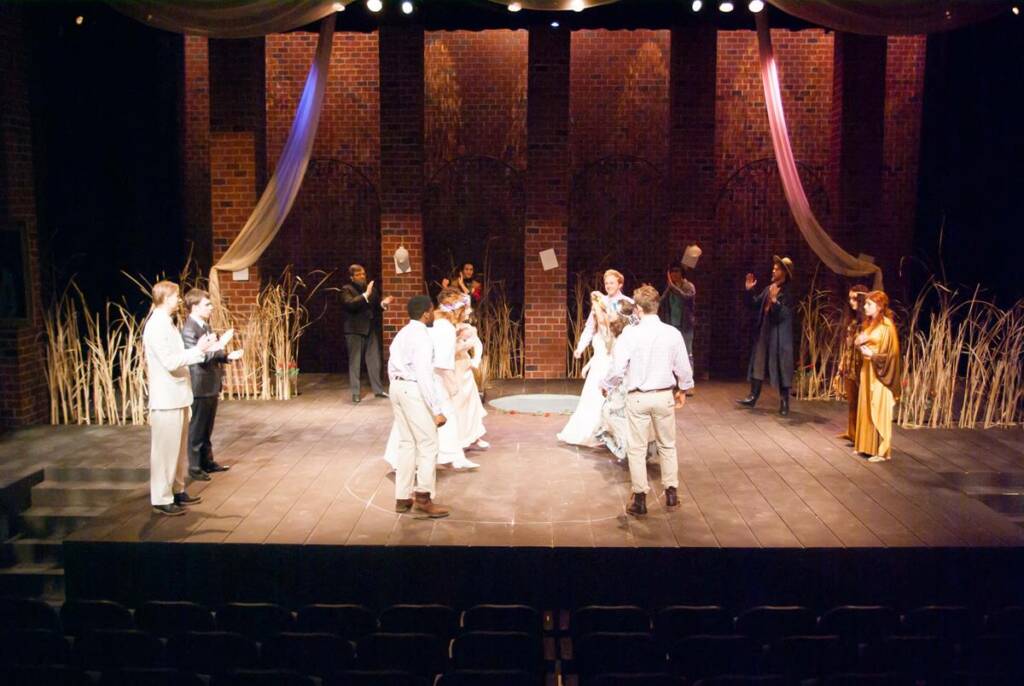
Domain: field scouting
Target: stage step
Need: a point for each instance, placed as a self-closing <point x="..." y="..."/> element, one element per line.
<point x="23" y="550"/>
<point x="120" y="475"/>
<point x="82" y="493"/>
<point x="56" y="522"/>
<point x="1006" y="502"/>
<point x="44" y="581"/>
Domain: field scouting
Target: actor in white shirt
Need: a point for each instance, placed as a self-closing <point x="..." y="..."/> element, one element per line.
<point x="170" y="397"/>
<point x="417" y="409"/>
<point x="651" y="359"/>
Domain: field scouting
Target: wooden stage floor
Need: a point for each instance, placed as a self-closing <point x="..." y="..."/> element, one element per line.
<point x="308" y="471"/>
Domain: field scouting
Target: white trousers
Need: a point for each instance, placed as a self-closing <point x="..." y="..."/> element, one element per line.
<point x="417" y="441"/>
<point x="168" y="454"/>
<point x="645" y="412"/>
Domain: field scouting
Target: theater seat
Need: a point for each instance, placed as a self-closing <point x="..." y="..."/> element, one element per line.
<point x="212" y="652"/>
<point x="502" y="618"/>
<point x="648" y="679"/>
<point x="262" y="677"/>
<point x="439" y="620"/>
<point x="255" y="620"/>
<point x="950" y="622"/>
<point x="80" y="616"/>
<point x="608" y="652"/>
<point x="1008" y="621"/>
<point x="308" y="653"/>
<point x="166" y="618"/>
<point x="150" y="677"/>
<point x="679" y="621"/>
<point x="699" y="657"/>
<point x="348" y="621"/>
<point x="376" y="678"/>
<point x="490" y="678"/>
<point x="420" y="654"/>
<point x="103" y="650"/>
<point x="771" y="622"/>
<point x="48" y="676"/>
<point x="34" y="648"/>
<point x="498" y="650"/>
<point x="860" y="623"/>
<point x="22" y="614"/>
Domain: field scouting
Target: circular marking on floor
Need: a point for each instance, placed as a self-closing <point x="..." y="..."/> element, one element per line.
<point x="536" y="403"/>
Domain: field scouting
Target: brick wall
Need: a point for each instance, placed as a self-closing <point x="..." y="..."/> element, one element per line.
<point x="335" y="220"/>
<point x="196" y="149"/>
<point x="401" y="164"/>
<point x="547" y="187"/>
<point x="23" y="393"/>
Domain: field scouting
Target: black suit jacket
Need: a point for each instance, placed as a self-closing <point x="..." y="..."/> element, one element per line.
<point x="361" y="314"/>
<point x="208" y="375"/>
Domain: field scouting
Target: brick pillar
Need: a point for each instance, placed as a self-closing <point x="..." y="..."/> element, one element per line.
<point x="195" y="146"/>
<point x="691" y="168"/>
<point x="23" y="393"/>
<point x="547" y="201"/>
<point x="401" y="167"/>
<point x="858" y="120"/>
<point x="237" y="153"/>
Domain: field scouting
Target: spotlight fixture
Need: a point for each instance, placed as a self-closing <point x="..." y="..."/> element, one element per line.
<point x="407" y="7"/>
<point x="697" y="5"/>
<point x="725" y="7"/>
<point x="339" y="7"/>
<point x="555" y="24"/>
<point x="577" y="6"/>
<point x="755" y="6"/>
<point x="1015" y="10"/>
<point x="79" y="20"/>
<point x="374" y="5"/>
<point x="514" y="7"/>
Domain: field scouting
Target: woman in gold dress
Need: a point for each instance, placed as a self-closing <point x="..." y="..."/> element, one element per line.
<point x="848" y="376"/>
<point x="879" y="347"/>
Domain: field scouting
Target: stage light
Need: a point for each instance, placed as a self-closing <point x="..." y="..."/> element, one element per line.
<point x="338" y="7"/>
<point x="79" y="20"/>
<point x="756" y="6"/>
<point x="514" y="7"/>
<point x="725" y="7"/>
<point x="555" y="24"/>
<point x="374" y="5"/>
<point x="407" y="7"/>
<point x="577" y="6"/>
<point x="697" y="5"/>
<point x="1015" y="10"/>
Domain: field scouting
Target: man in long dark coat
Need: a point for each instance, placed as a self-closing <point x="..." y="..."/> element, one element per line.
<point x="772" y="356"/>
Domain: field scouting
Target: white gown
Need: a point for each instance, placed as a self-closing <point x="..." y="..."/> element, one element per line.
<point x="587" y="420"/>
<point x="449" y="445"/>
<point x="467" y="403"/>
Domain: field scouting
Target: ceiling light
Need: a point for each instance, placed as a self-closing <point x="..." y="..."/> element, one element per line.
<point x="697" y="5"/>
<point x="725" y="7"/>
<point x="576" y="5"/>
<point x="555" y="24"/>
<point x="339" y="7"/>
<point x="407" y="7"/>
<point x="755" y="6"/>
<point x="374" y="5"/>
<point x="514" y="7"/>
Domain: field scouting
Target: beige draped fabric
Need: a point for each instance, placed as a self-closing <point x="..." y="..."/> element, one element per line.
<point x="227" y="18"/>
<point x="276" y="201"/>
<point x="827" y="250"/>
<point x="892" y="17"/>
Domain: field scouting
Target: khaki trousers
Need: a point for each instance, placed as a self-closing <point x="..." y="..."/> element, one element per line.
<point x="417" y="440"/>
<point x="644" y="411"/>
<point x="168" y="454"/>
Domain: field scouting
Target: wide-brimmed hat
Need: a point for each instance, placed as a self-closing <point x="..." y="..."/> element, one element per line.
<point x="786" y="264"/>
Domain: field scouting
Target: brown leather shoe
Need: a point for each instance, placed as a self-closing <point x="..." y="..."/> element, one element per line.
<point x="426" y="506"/>
<point x="638" y="506"/>
<point x="671" y="498"/>
<point x="403" y="504"/>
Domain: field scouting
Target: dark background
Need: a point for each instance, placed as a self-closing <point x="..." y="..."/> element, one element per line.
<point x="106" y="109"/>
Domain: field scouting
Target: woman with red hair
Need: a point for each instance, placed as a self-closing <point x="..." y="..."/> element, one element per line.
<point x="879" y="347"/>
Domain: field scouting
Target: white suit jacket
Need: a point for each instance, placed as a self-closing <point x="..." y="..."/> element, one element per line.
<point x="167" y="363"/>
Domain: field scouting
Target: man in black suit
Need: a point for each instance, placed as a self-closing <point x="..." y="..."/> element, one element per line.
<point x="361" y="325"/>
<point x="207" y="378"/>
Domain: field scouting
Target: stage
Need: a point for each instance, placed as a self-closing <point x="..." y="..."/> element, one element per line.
<point x="769" y="504"/>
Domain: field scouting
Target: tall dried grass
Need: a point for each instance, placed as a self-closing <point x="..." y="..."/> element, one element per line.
<point x="820" y="345"/>
<point x="95" y="365"/>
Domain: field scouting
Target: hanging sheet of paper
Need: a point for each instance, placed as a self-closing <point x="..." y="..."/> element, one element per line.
<point x="402" y="265"/>
<point x="548" y="260"/>
<point x="690" y="256"/>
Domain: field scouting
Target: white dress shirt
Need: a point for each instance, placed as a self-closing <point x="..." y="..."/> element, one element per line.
<point x="411" y="357"/>
<point x="167" y="363"/>
<point x="650" y="356"/>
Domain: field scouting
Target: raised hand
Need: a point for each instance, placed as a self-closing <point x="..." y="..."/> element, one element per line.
<point x="206" y="342"/>
<point x="226" y="338"/>
<point x="750" y="282"/>
<point x="235" y="355"/>
<point x="773" y="292"/>
<point x="387" y="301"/>
<point x="369" y="290"/>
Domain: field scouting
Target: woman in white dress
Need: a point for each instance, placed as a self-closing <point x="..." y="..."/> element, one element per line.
<point x="442" y="335"/>
<point x="470" y="411"/>
<point x="586" y="420"/>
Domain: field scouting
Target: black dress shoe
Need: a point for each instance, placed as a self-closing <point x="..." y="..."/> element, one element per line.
<point x="215" y="467"/>
<point x="171" y="510"/>
<point x="671" y="498"/>
<point x="784" y="406"/>
<point x="198" y="475"/>
<point x="356" y="399"/>
<point x="184" y="498"/>
<point x="638" y="507"/>
<point x="749" y="401"/>
<point x="382" y="394"/>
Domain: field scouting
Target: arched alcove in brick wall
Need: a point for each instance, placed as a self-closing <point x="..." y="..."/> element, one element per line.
<point x="618" y="219"/>
<point x="334" y="222"/>
<point x="753" y="223"/>
<point x="474" y="210"/>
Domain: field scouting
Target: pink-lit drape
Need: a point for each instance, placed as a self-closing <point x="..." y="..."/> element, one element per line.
<point x="827" y="250"/>
<point x="276" y="201"/>
<point x="892" y="17"/>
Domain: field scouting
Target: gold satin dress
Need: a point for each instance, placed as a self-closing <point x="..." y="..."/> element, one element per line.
<point x="879" y="378"/>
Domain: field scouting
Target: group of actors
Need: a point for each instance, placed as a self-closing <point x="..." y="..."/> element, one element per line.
<point x="869" y="367"/>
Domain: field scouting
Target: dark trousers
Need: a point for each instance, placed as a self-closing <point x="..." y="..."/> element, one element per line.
<point x="200" y="428"/>
<point x="358" y="347"/>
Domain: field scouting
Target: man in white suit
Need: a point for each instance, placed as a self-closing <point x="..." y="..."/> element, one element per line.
<point x="170" y="397"/>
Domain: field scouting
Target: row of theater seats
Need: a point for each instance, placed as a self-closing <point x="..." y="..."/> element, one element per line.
<point x="763" y="623"/>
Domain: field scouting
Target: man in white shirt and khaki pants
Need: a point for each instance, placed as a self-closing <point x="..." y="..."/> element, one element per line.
<point x="417" y="408"/>
<point x="170" y="399"/>
<point x="651" y="359"/>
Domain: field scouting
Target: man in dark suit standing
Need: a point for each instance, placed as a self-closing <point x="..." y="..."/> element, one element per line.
<point x="361" y="325"/>
<point x="207" y="378"/>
